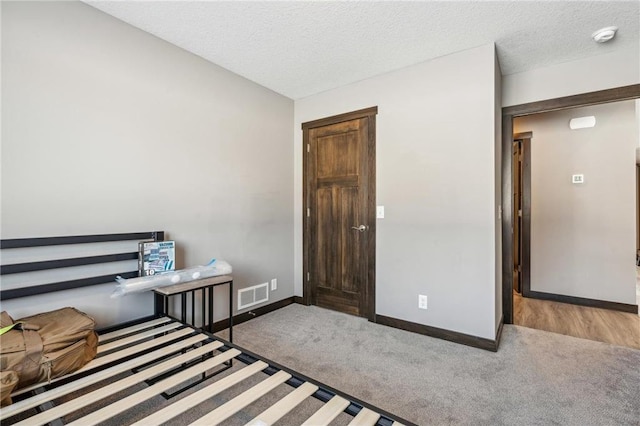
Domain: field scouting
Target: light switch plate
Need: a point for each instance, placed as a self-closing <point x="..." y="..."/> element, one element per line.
<point x="422" y="301"/>
<point x="380" y="212"/>
<point x="577" y="178"/>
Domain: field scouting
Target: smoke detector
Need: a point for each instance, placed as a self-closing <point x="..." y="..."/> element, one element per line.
<point x="604" y="35"/>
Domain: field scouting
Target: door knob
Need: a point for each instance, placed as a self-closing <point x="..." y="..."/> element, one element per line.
<point x="360" y="228"/>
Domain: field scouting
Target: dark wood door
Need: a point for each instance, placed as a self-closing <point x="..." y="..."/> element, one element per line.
<point x="517" y="213"/>
<point x="522" y="212"/>
<point x="340" y="237"/>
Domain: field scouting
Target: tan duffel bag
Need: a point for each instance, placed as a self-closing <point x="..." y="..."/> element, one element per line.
<point x="41" y="347"/>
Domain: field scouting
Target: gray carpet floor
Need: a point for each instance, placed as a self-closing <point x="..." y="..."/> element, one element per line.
<point x="535" y="378"/>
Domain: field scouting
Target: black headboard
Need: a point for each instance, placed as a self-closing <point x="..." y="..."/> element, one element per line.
<point x="70" y="262"/>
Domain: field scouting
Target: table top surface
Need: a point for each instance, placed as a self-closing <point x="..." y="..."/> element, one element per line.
<point x="193" y="285"/>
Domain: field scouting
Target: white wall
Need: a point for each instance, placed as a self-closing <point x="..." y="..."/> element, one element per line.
<point x="106" y="129"/>
<point x="583" y="236"/>
<point x="606" y="71"/>
<point x="436" y="178"/>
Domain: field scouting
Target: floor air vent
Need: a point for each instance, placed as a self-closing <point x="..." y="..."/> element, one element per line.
<point x="251" y="296"/>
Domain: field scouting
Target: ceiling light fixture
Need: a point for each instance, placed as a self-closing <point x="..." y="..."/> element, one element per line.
<point x="603" y="35"/>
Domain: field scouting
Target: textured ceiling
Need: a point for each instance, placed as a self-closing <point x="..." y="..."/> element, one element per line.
<point x="302" y="48"/>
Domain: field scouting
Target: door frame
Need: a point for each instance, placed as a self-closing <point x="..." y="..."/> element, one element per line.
<point x="623" y="93"/>
<point x="370" y="285"/>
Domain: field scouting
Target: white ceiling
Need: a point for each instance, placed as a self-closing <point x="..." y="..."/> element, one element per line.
<point x="302" y="48"/>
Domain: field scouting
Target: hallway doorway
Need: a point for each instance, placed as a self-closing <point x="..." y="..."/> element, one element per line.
<point x="624" y="302"/>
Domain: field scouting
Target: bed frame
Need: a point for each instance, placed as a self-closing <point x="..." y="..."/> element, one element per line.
<point x="160" y="354"/>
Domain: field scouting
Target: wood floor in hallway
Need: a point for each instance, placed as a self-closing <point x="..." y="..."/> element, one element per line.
<point x="603" y="325"/>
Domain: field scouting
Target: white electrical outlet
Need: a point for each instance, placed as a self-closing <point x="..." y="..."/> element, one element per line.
<point x="274" y="284"/>
<point x="422" y="301"/>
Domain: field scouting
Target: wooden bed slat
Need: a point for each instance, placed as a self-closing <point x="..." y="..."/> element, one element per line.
<point x="137" y="337"/>
<point x="132" y="329"/>
<point x="365" y="417"/>
<point x="196" y="398"/>
<point x="98" y="362"/>
<point x="286" y="404"/>
<point x="131" y="401"/>
<point x="228" y="409"/>
<point x="327" y="412"/>
<point x="120" y="385"/>
<point x="41" y="398"/>
<point x="122" y="353"/>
